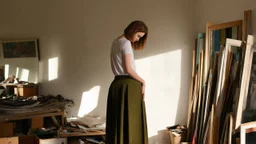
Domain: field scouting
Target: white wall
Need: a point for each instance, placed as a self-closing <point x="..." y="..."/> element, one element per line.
<point x="79" y="36"/>
<point x="221" y="11"/>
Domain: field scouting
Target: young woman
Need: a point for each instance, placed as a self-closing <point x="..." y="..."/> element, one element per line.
<point x="126" y="117"/>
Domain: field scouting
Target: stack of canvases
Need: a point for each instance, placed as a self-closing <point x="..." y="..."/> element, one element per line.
<point x="220" y="81"/>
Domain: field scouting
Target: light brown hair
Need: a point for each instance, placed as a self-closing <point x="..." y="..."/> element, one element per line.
<point x="132" y="29"/>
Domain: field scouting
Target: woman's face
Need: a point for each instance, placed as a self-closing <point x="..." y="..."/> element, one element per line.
<point x="137" y="36"/>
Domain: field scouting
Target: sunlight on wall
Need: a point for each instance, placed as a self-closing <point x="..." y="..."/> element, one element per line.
<point x="6" y="71"/>
<point x="24" y="74"/>
<point x="89" y="101"/>
<point x="17" y="71"/>
<point x="162" y="75"/>
<point x="53" y="68"/>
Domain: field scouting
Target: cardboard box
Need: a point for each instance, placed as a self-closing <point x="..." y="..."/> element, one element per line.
<point x="25" y="90"/>
<point x="51" y="141"/>
<point x="6" y="129"/>
<point x="32" y="140"/>
<point x="37" y="122"/>
<point x="9" y="140"/>
<point x="175" y="137"/>
<point x="18" y="140"/>
<point x="26" y="139"/>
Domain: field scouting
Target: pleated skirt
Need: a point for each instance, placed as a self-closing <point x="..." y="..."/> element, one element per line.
<point x="126" y="116"/>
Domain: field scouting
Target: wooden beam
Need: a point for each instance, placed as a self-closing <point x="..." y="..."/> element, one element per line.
<point x="246" y="24"/>
<point x="207" y="50"/>
<point x="228" y="129"/>
<point x="191" y="87"/>
<point x="211" y="130"/>
<point x="197" y="130"/>
<point x="76" y="134"/>
<point x="237" y="23"/>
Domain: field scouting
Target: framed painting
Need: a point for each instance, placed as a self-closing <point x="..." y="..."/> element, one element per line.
<point x="20" y="48"/>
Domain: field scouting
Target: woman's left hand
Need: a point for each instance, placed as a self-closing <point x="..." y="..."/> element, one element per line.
<point x="143" y="91"/>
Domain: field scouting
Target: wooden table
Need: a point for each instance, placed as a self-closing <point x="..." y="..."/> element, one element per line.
<point x="77" y="134"/>
<point x="20" y="89"/>
<point x="34" y="116"/>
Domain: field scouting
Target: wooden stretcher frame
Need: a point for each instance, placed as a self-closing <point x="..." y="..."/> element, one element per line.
<point x="191" y="87"/>
<point x="245" y="79"/>
<point x="246" y="128"/>
<point x="212" y="27"/>
<point x="243" y="28"/>
<point x="228" y="129"/>
<point x="246" y="31"/>
<point x="221" y="80"/>
<point x="223" y="75"/>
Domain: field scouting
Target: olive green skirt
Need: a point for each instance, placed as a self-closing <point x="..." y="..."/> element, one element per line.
<point x="126" y="118"/>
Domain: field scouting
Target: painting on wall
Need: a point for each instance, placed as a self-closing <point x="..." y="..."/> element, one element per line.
<point x="2" y="73"/>
<point x="20" y="48"/>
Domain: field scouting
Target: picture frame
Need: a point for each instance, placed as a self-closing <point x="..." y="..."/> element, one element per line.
<point x="24" y="48"/>
<point x="209" y="37"/>
<point x="2" y="76"/>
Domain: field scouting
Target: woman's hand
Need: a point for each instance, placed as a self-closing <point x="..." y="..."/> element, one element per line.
<point x="143" y="90"/>
<point x="132" y="73"/>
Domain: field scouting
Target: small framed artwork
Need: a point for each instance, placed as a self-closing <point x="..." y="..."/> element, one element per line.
<point x="2" y="73"/>
<point x="20" y="48"/>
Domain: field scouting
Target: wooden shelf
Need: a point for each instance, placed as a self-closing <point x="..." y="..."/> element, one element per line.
<point x="46" y="113"/>
<point x="77" y="134"/>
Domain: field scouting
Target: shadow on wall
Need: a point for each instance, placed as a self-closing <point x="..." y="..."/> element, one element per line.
<point x="162" y="137"/>
<point x="182" y="109"/>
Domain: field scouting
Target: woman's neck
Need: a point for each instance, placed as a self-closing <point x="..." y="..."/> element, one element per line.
<point x="122" y="36"/>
